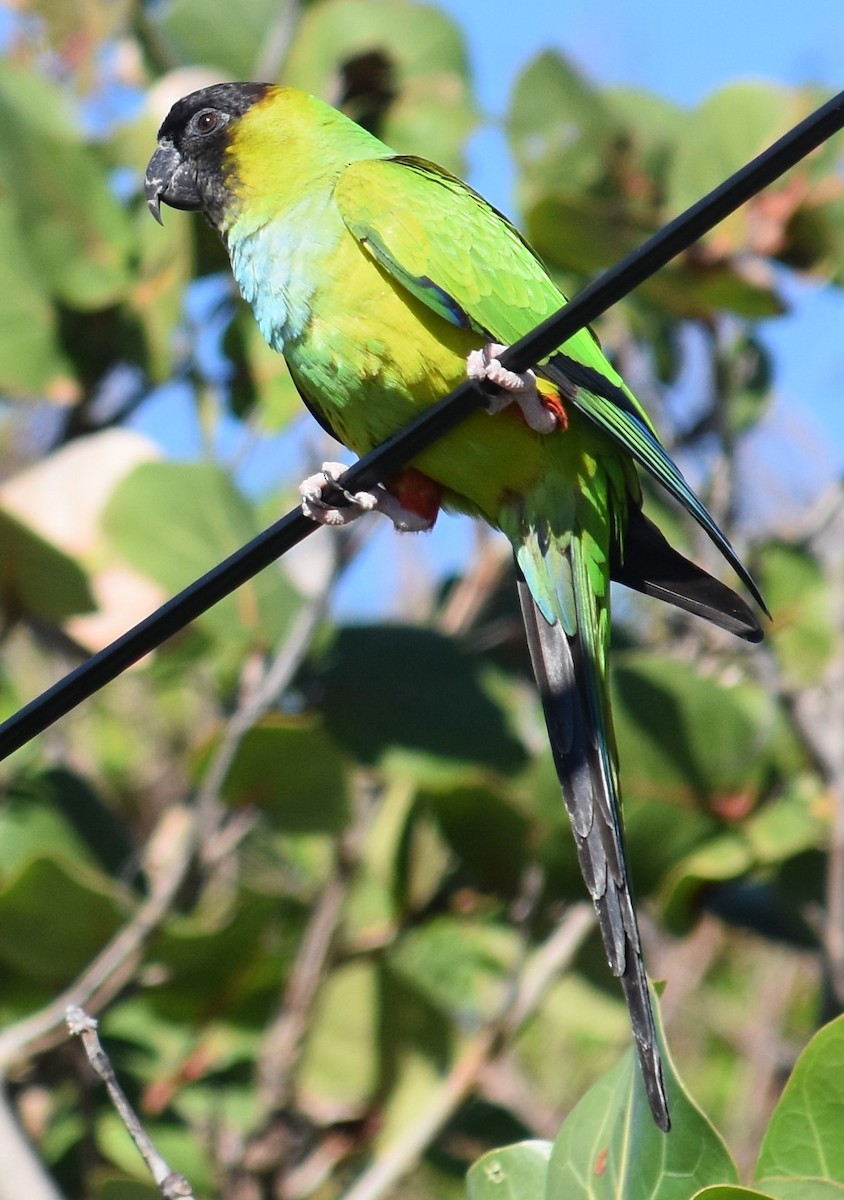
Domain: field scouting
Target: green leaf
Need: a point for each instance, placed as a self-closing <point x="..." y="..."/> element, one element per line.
<point x="463" y="967"/>
<point x="174" y="521"/>
<point x="513" y="1173"/>
<point x="804" y="1189"/>
<point x="559" y="126"/>
<point x="731" y="1191"/>
<point x="57" y="812"/>
<point x="803" y="1137"/>
<point x="816" y="235"/>
<point x="685" y="736"/>
<point x="340" y="1062"/>
<point x="780" y="831"/>
<point x="217" y="33"/>
<point x="423" y="50"/>
<point x="261" y="379"/>
<point x="609" y="1146"/>
<point x="400" y="688"/>
<point x="253" y="934"/>
<point x="54" y="916"/>
<point x="156" y="298"/>
<point x="124" y="1189"/>
<point x="36" y="578"/>
<point x="77" y="232"/>
<point x="801" y="602"/>
<point x="729" y="128"/>
<point x="486" y="831"/>
<point x="578" y="1023"/>
<point x="291" y="768"/>
<point x="30" y="828"/>
<point x="579" y="233"/>
<point x="652" y="125"/>
<point x="31" y="358"/>
<point x="698" y="289"/>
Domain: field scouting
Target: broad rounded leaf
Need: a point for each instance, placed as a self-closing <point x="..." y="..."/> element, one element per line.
<point x="559" y="125"/>
<point x="779" y="832"/>
<point x="182" y="1153"/>
<point x="57" y="812"/>
<point x="804" y="1189"/>
<point x="609" y="1146"/>
<point x="684" y="736"/>
<point x="78" y="233"/>
<point x="175" y="521"/>
<point x="462" y="967"/>
<point x="801" y="600"/>
<point x="402" y="688"/>
<point x="485" y="829"/>
<point x="54" y="916"/>
<point x="804" y="1134"/>
<point x="731" y="1191"/>
<point x="730" y="127"/>
<point x="513" y="1173"/>
<point x="291" y="769"/>
<point x="36" y="578"/>
<point x="261" y="380"/>
<point x="421" y="48"/>
<point x="340" y="1062"/>
<point x="31" y="358"/>
<point x="219" y="33"/>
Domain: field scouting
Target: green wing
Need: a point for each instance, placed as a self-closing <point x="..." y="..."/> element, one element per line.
<point x="462" y="258"/>
<point x="457" y="254"/>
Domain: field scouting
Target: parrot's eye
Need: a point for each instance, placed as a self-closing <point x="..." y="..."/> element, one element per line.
<point x="207" y="121"/>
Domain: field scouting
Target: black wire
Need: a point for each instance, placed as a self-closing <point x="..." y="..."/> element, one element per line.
<point x="425" y="429"/>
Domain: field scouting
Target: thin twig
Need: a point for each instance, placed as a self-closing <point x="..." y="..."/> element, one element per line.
<point x="542" y="967"/>
<point x="272" y="684"/>
<point x="276" y="41"/>
<point x="492" y="558"/>
<point x="172" y="1184"/>
<point x="283" y="1040"/>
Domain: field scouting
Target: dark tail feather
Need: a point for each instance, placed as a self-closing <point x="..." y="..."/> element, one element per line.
<point x="590" y="800"/>
<point x="650" y="565"/>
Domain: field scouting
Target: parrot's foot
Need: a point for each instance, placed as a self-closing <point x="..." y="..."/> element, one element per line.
<point x="378" y="500"/>
<point x="518" y="389"/>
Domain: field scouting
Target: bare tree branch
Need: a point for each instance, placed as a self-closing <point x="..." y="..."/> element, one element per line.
<point x="283" y="1040"/>
<point x="172" y="1184"/>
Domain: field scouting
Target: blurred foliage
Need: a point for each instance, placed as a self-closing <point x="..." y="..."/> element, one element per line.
<point x="391" y="822"/>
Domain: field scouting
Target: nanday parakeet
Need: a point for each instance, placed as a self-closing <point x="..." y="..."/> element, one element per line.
<point x="377" y="275"/>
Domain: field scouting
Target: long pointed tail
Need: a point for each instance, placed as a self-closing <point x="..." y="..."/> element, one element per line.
<point x="587" y="778"/>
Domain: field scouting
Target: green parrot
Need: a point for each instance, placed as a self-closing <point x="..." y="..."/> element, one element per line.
<point x="383" y="279"/>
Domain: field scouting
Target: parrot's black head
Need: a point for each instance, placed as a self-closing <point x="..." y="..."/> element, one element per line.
<point x="186" y="170"/>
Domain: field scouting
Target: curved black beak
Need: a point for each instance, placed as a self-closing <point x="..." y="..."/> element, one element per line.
<point x="171" y="179"/>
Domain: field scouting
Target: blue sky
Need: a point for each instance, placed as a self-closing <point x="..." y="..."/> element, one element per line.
<point x="682" y="51"/>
